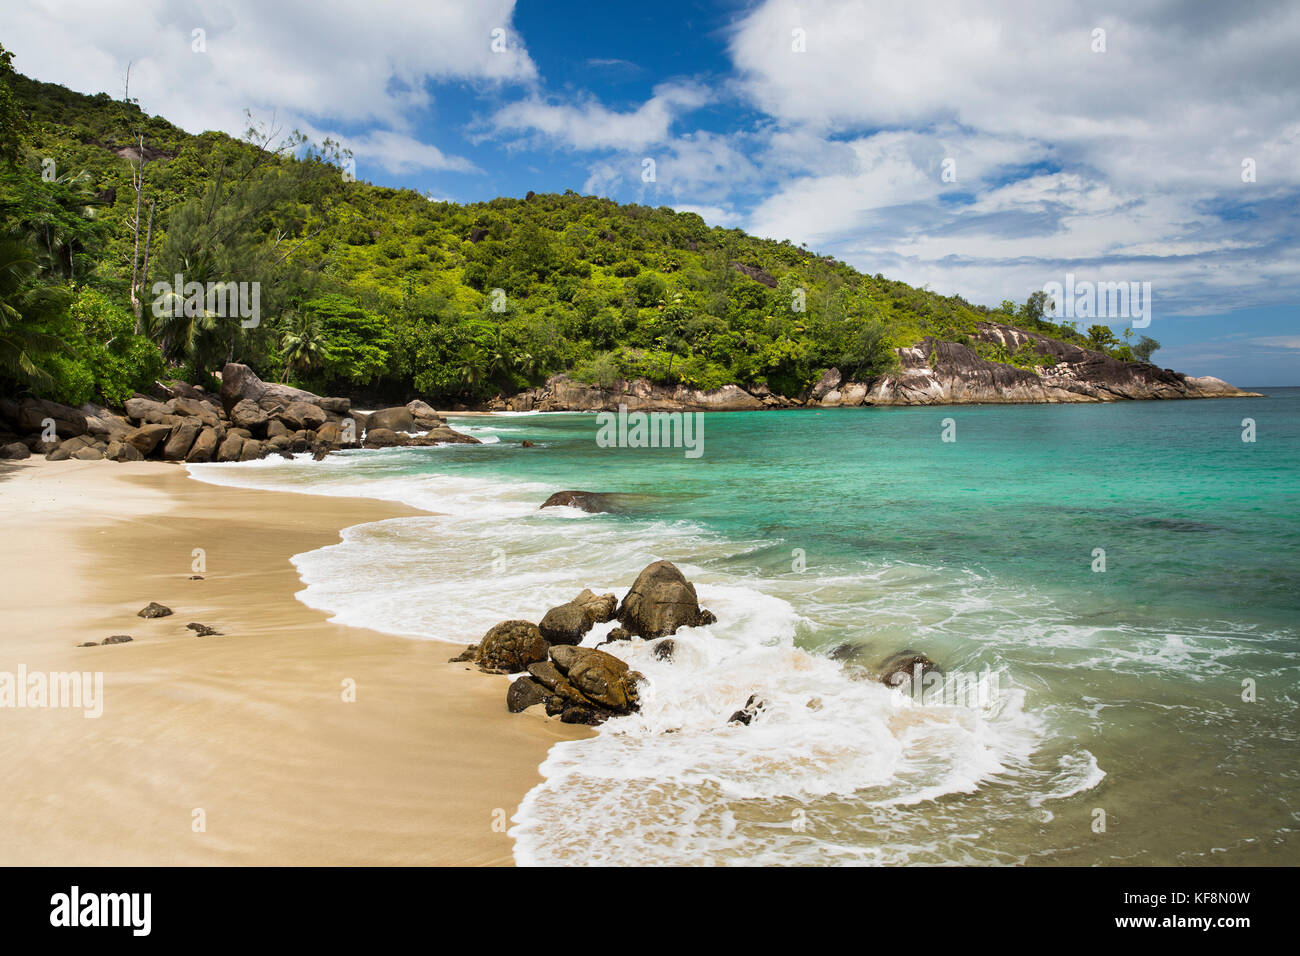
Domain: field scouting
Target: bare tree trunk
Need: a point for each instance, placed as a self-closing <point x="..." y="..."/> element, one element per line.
<point x="148" y="241"/>
<point x="137" y="183"/>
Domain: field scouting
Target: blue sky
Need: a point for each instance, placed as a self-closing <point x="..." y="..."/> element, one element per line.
<point x="979" y="149"/>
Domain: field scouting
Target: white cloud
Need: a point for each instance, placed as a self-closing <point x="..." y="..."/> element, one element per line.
<point x="360" y="63"/>
<point x="399" y="153"/>
<point x="1125" y="157"/>
<point x="590" y="126"/>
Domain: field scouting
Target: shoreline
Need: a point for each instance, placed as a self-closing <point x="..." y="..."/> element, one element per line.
<point x="248" y="731"/>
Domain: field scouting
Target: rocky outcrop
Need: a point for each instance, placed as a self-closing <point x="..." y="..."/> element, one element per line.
<point x="828" y="383"/>
<point x="755" y="273"/>
<point x="661" y="601"/>
<point x="177" y="422"/>
<point x="563" y="394"/>
<point x="931" y="372"/>
<point x="949" y="373"/>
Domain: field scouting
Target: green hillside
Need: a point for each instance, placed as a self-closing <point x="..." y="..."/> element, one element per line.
<point x="381" y="293"/>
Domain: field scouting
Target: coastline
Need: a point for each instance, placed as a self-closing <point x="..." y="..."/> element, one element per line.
<point x="249" y="727"/>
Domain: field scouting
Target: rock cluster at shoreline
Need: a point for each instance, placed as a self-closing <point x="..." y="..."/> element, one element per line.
<point x="249" y="419"/>
<point x="585" y="685"/>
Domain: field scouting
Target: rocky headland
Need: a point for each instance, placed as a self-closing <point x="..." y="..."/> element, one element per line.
<point x="932" y="372"/>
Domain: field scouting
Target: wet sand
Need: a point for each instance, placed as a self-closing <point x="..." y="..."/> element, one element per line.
<point x="237" y="749"/>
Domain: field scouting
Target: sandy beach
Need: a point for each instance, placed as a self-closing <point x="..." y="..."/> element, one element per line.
<point x="247" y="733"/>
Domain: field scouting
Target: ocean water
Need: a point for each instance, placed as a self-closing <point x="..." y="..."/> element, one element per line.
<point x="1141" y="714"/>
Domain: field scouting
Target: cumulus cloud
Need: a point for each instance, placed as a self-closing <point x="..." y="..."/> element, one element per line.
<point x="308" y="63"/>
<point x="1129" y="161"/>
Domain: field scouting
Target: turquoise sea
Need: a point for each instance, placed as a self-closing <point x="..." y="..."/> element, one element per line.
<point x="1146" y="713"/>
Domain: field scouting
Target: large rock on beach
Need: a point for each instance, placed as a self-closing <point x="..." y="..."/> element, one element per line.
<point x="303" y="415"/>
<point x="510" y="647"/>
<point x="239" y="382"/>
<point x="204" y="447"/>
<point x="423" y="414"/>
<point x="146" y="437"/>
<point x="230" y="447"/>
<point x="181" y="440"/>
<point x="35" y="413"/>
<point x="384" y="438"/>
<point x="601" y="678"/>
<point x="248" y="414"/>
<point x="568" y="623"/>
<point x="661" y="601"/>
<point x="397" y="419"/>
<point x="524" y="693"/>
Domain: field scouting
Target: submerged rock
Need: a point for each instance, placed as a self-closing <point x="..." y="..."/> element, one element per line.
<point x="751" y="710"/>
<point x="118" y="639"/>
<point x="665" y="650"/>
<point x="593" y="502"/>
<point x="154" y="609"/>
<point x="905" y="665"/>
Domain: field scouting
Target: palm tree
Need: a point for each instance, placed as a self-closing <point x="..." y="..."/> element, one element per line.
<point x="22" y="304"/>
<point x="302" y="344"/>
<point x="58" y="218"/>
<point x="473" y="365"/>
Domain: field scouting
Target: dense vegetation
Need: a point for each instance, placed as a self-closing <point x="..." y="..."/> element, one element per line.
<point x="382" y="293"/>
